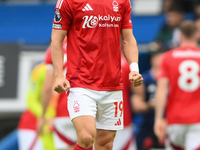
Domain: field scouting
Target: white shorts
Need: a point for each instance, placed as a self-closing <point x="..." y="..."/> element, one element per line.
<point x="183" y="137"/>
<point x="105" y="106"/>
<point x="124" y="139"/>
<point x="65" y="133"/>
<point x="27" y="140"/>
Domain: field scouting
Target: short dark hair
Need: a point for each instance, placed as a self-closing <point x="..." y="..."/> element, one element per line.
<point x="188" y="28"/>
<point x="175" y="8"/>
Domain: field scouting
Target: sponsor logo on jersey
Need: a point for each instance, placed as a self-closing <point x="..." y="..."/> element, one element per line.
<point x="87" y="8"/>
<point x="57" y="26"/>
<point x="57" y="16"/>
<point x="93" y="21"/>
<point x="115" y="6"/>
<point x="76" y="106"/>
<point x="90" y="22"/>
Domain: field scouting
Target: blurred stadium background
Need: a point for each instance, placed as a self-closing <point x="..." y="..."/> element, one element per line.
<point x="25" y="29"/>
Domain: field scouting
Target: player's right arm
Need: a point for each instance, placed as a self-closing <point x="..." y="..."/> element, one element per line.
<point x="57" y="37"/>
<point x="160" y="102"/>
<point x="161" y="98"/>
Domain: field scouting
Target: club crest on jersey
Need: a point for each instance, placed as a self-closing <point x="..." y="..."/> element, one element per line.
<point x="57" y="16"/>
<point x="115" y="6"/>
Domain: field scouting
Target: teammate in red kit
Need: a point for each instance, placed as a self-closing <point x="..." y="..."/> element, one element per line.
<point x="124" y="139"/>
<point x="179" y="77"/>
<point x="94" y="77"/>
<point x="64" y="131"/>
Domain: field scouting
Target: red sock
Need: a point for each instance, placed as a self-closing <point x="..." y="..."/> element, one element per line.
<point x="77" y="147"/>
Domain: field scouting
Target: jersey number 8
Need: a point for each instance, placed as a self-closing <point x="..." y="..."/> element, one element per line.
<point x="189" y="79"/>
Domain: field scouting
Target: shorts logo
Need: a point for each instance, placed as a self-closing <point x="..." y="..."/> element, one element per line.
<point x="115" y="6"/>
<point x="76" y="106"/>
<point x="57" y="16"/>
<point x="118" y="123"/>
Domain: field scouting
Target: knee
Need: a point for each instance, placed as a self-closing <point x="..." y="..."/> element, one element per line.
<point x="108" y="146"/>
<point x="104" y="140"/>
<point x="86" y="139"/>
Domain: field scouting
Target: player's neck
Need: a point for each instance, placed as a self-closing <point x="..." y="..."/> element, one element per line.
<point x="188" y="44"/>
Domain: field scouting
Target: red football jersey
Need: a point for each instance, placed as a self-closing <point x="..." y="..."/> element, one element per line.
<point x="27" y="121"/>
<point x="94" y="48"/>
<point x="182" y="67"/>
<point x="47" y="57"/>
<point x="62" y="102"/>
<point x="126" y="94"/>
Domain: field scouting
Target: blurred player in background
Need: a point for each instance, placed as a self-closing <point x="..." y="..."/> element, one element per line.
<point x="170" y="30"/>
<point x="94" y="77"/>
<point x="179" y="85"/>
<point x="64" y="132"/>
<point x="38" y="90"/>
<point x="124" y="139"/>
<point x="143" y="102"/>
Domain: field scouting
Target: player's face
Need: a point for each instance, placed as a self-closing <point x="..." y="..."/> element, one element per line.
<point x="174" y="18"/>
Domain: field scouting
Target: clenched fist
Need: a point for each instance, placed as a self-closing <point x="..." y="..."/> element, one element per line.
<point x="61" y="85"/>
<point x="135" y="78"/>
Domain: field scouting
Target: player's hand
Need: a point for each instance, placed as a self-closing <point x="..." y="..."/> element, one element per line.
<point x="160" y="128"/>
<point x="50" y="124"/>
<point x="40" y="125"/>
<point x="61" y="85"/>
<point x="135" y="78"/>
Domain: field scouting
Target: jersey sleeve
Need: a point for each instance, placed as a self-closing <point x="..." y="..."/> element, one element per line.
<point x="163" y="71"/>
<point x="63" y="15"/>
<point x="47" y="59"/>
<point x="126" y="20"/>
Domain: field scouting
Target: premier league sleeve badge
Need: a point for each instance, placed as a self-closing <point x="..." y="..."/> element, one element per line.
<point x="57" y="17"/>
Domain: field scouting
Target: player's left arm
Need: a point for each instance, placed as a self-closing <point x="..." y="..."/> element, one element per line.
<point x="160" y="102"/>
<point x="130" y="50"/>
